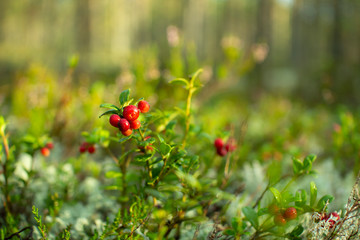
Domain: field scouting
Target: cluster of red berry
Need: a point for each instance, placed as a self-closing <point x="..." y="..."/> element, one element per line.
<point x="281" y="217"/>
<point x="85" y="146"/>
<point x="129" y="119"/>
<point x="334" y="218"/>
<point x="45" y="151"/>
<point x="222" y="149"/>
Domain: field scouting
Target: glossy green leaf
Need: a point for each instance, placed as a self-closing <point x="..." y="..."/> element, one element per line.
<point x="297" y="166"/>
<point x="277" y="195"/>
<point x="108" y="105"/>
<point x="124" y="96"/>
<point x="143" y="157"/>
<point x="322" y="202"/>
<point x="112" y="111"/>
<point x="313" y="193"/>
<point x="164" y="149"/>
<point x="251" y="216"/>
<point x="181" y="81"/>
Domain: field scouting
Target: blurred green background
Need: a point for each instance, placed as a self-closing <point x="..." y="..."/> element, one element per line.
<point x="313" y="45"/>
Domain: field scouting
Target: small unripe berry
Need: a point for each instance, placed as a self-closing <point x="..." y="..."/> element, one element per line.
<point x="143" y="106"/>
<point x="274" y="209"/>
<point x="114" y="120"/>
<point x="218" y="143"/>
<point x="221" y="151"/>
<point x="290" y="213"/>
<point x="91" y="149"/>
<point x="49" y="145"/>
<point x="127" y="132"/>
<point x="279" y="220"/>
<point x="131" y="113"/>
<point x="136" y="124"/>
<point x="45" y="151"/>
<point x="124" y="125"/>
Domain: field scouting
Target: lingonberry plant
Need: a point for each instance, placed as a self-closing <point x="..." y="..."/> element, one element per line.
<point x="164" y="180"/>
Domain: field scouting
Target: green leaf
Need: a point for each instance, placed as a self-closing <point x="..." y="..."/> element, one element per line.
<point x="113" y="174"/>
<point x="311" y="158"/>
<point x="164" y="149"/>
<point x="124" y="96"/>
<point x="313" y="193"/>
<point x="228" y="232"/>
<point x="112" y="111"/>
<point x="236" y="224"/>
<point x="189" y="179"/>
<point x="307" y="165"/>
<point x="300" y="198"/>
<point x="143" y="157"/>
<point x="124" y="139"/>
<point x="323" y="201"/>
<point x="181" y="81"/>
<point x="135" y="103"/>
<point x="297" y="165"/>
<point x="196" y="74"/>
<point x="277" y="195"/>
<point x="296" y="232"/>
<point x="108" y="105"/>
<point x="251" y="216"/>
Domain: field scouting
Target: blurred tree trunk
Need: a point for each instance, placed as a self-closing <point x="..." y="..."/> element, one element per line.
<point x="296" y="34"/>
<point x="83" y="32"/>
<point x="263" y="34"/>
<point x="3" y="4"/>
<point x="336" y="50"/>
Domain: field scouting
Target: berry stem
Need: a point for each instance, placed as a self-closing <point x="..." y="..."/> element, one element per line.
<point x="147" y="162"/>
<point x="141" y="134"/>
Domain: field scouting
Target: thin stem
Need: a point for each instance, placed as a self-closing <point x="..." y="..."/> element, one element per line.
<point x="112" y="156"/>
<point x="7" y="201"/>
<point x="161" y="172"/>
<point x="141" y="134"/>
<point x="147" y="162"/>
<point x="187" y="114"/>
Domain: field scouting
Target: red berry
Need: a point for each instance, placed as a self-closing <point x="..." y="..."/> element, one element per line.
<point x="83" y="147"/>
<point x="124" y="125"/>
<point x="279" y="220"/>
<point x="135" y="124"/>
<point x="274" y="209"/>
<point x="143" y="106"/>
<point x="45" y="151"/>
<point x="230" y="145"/>
<point x="91" y="149"/>
<point x="218" y="143"/>
<point x="290" y="213"/>
<point x="127" y="132"/>
<point x="221" y="151"/>
<point x="131" y="113"/>
<point x="335" y="217"/>
<point x="114" y="120"/>
<point x="49" y="145"/>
